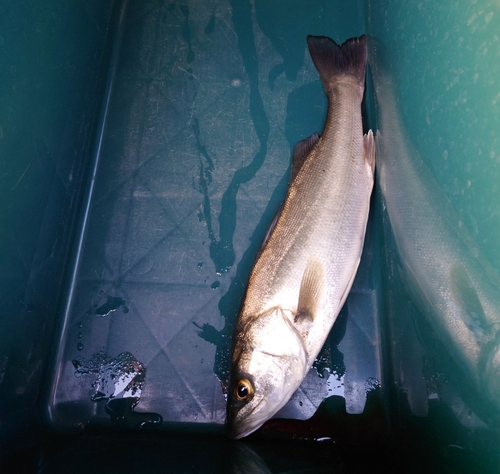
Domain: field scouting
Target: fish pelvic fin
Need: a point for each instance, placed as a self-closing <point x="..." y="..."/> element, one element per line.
<point x="369" y="145"/>
<point x="312" y="289"/>
<point x="301" y="151"/>
<point x="332" y="60"/>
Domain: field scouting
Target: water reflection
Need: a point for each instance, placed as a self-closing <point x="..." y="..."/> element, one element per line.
<point x="442" y="267"/>
<point x="246" y="461"/>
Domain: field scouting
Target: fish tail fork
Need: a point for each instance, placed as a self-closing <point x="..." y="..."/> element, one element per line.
<point x="332" y="60"/>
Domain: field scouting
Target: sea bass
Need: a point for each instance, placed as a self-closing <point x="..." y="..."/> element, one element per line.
<point x="308" y="260"/>
<point x="450" y="280"/>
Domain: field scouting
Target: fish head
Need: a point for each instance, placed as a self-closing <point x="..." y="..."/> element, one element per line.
<point x="269" y="363"/>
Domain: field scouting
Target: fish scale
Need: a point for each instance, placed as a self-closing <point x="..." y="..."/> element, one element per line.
<point x="326" y="228"/>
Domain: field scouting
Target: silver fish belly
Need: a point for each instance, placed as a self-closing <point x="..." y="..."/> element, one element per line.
<point x="308" y="261"/>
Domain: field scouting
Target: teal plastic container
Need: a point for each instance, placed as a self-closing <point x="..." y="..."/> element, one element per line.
<point x="144" y="149"/>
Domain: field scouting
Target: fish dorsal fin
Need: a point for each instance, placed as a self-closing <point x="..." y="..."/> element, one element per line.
<point x="301" y="151"/>
<point x="270" y="229"/>
<point x="312" y="288"/>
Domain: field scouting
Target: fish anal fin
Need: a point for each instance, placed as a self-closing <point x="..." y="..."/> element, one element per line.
<point x="300" y="152"/>
<point x="312" y="288"/>
<point x="369" y="146"/>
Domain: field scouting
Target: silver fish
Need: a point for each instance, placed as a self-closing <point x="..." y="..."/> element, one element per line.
<point x="442" y="266"/>
<point x="308" y="260"/>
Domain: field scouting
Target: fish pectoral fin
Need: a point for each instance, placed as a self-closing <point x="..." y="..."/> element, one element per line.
<point x="463" y="290"/>
<point x="312" y="288"/>
<point x="369" y="145"/>
<point x="300" y="153"/>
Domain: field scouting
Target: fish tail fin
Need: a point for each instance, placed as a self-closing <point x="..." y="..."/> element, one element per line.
<point x="332" y="60"/>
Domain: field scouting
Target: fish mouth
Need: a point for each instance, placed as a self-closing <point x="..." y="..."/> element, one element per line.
<point x="240" y="428"/>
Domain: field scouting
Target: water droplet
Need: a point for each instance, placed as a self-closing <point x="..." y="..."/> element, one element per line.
<point x="80" y="324"/>
<point x="215" y="285"/>
<point x="112" y="304"/>
<point x="372" y="383"/>
<point x="300" y="403"/>
<point x="79" y="346"/>
<point x="80" y="335"/>
<point x="200" y="265"/>
<point x="119" y="381"/>
<point x="121" y="411"/>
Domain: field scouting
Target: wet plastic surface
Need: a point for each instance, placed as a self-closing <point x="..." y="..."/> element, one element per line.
<point x="157" y="196"/>
<point x="195" y="155"/>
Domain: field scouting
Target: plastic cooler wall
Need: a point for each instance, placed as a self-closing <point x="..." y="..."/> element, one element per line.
<point x="434" y="72"/>
<point x="207" y="103"/>
<point x="54" y="65"/>
<point x="142" y="164"/>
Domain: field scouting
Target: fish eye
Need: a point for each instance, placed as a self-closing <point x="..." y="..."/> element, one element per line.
<point x="243" y="390"/>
